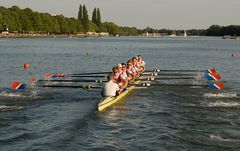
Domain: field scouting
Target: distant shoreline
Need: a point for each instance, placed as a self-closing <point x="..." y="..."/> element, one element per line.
<point x="13" y="35"/>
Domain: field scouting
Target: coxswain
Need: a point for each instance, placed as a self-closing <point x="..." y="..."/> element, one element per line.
<point x="110" y="88"/>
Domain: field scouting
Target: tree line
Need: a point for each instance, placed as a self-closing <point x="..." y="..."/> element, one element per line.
<point x="25" y="21"/>
<point x="216" y="30"/>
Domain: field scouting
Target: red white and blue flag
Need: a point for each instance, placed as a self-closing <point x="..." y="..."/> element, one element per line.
<point x="59" y="74"/>
<point x="33" y="80"/>
<point x="216" y="86"/>
<point x="49" y="75"/>
<point x="213" y="76"/>
<point x="18" y="85"/>
<point x="212" y="70"/>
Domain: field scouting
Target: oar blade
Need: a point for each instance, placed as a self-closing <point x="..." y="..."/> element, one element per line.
<point x="48" y="75"/>
<point x="212" y="70"/>
<point x="16" y="85"/>
<point x="217" y="86"/>
<point x="33" y="80"/>
<point x="213" y="77"/>
<point x="59" y="74"/>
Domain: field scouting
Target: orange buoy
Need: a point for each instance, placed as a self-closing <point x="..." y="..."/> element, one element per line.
<point x="26" y="66"/>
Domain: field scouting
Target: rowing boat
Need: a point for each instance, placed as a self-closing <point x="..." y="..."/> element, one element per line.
<point x="110" y="100"/>
<point x="106" y="102"/>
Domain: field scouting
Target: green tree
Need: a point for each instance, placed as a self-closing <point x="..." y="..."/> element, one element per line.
<point x="112" y="28"/>
<point x="98" y="22"/>
<point x="25" y="23"/>
<point x="214" y="30"/>
<point x="80" y="13"/>
<point x="50" y="24"/>
<point x="85" y="20"/>
<point x="37" y="22"/>
<point x="63" y="24"/>
<point x="15" y="13"/>
<point x="1" y="21"/>
<point x="94" y="16"/>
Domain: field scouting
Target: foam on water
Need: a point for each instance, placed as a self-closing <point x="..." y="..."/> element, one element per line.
<point x="224" y="104"/>
<point x="220" y="138"/>
<point x="20" y="94"/>
<point x="217" y="137"/>
<point x="221" y="95"/>
<point x="9" y="107"/>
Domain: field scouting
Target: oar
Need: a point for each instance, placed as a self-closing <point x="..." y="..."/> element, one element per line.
<point x="212" y="70"/>
<point x="49" y="75"/>
<point x="88" y="73"/>
<point x="177" y="74"/>
<point x="90" y="76"/>
<point x="209" y="77"/>
<point x="72" y="80"/>
<point x="151" y="72"/>
<point x="104" y="76"/>
<point x="70" y="86"/>
<point x="212" y="86"/>
<point x="174" y="78"/>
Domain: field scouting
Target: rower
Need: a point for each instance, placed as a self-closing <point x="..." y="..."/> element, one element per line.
<point x="110" y="88"/>
<point x="123" y="76"/>
<point x="141" y="63"/>
<point x="135" y="68"/>
<point x="116" y="74"/>
<point x="131" y="73"/>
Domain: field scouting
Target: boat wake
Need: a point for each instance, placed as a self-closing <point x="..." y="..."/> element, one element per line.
<point x="220" y="138"/>
<point x="9" y="107"/>
<point x="18" y="94"/>
<point x="225" y="104"/>
<point x="221" y="95"/>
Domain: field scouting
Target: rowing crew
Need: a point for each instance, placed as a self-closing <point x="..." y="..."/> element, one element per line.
<point x="122" y="75"/>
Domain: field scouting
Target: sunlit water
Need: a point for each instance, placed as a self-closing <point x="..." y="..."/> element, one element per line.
<point x="157" y="118"/>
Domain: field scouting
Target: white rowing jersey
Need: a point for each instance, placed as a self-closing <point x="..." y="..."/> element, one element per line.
<point x="110" y="88"/>
<point x="143" y="63"/>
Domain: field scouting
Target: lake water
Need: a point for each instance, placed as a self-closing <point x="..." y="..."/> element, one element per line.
<point x="156" y="118"/>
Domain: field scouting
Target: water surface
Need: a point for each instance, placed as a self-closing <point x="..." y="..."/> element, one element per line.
<point x="157" y="118"/>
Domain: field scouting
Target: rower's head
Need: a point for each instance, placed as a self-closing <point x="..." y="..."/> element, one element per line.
<point x="110" y="77"/>
<point x="129" y="63"/>
<point x="134" y="60"/>
<point x="139" y="57"/>
<point x="124" y="66"/>
<point x="119" y="65"/>
<point x="115" y="69"/>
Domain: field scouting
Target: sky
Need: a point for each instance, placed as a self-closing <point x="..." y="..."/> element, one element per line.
<point x="158" y="14"/>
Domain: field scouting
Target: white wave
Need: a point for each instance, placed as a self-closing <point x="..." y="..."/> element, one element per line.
<point x="221" y="95"/>
<point x="217" y="137"/>
<point x="8" y="94"/>
<point x="220" y="138"/>
<point x="223" y="104"/>
<point x="7" y="108"/>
